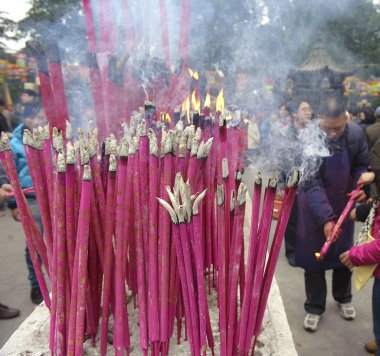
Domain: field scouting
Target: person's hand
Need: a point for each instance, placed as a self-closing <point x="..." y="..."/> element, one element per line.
<point x="345" y="259"/>
<point x="328" y="229"/>
<point x="366" y="178"/>
<point x="353" y="215"/>
<point x="15" y="214"/>
<point x="359" y="196"/>
<point x="4" y="190"/>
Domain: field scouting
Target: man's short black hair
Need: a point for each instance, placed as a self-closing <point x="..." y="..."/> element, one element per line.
<point x="332" y="106"/>
<point x="2" y="102"/>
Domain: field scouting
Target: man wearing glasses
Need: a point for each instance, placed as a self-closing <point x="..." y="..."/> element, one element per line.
<point x="320" y="202"/>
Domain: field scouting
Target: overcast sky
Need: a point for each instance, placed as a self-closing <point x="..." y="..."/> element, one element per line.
<point x="14" y="9"/>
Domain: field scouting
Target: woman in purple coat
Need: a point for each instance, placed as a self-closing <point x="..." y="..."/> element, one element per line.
<point x="320" y="202"/>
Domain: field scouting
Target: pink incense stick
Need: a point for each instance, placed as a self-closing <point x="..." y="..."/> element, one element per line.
<point x="142" y="290"/>
<point x="108" y="253"/>
<point x="251" y="262"/>
<point x="263" y="235"/>
<point x="194" y="331"/>
<point x="48" y="166"/>
<point x="143" y="153"/>
<point x="164" y="226"/>
<point x="284" y="214"/>
<point x="181" y="267"/>
<point x="202" y="301"/>
<point x="82" y="247"/>
<point x="222" y="270"/>
<point x="337" y="228"/>
<point x="70" y="208"/>
<point x="97" y="181"/>
<point x="130" y="242"/>
<point x="120" y="319"/>
<point x="26" y="216"/>
<point x="236" y="250"/>
<point x="153" y="306"/>
<point x="41" y="195"/>
<point x="60" y="273"/>
<point x="25" y="213"/>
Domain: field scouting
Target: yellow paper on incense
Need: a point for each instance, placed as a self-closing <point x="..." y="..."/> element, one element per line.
<point x="362" y="274"/>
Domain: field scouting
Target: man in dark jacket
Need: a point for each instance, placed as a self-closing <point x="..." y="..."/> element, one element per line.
<point x="301" y="114"/>
<point x="320" y="203"/>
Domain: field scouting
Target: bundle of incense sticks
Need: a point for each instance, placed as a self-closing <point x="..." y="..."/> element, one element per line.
<point x="106" y="235"/>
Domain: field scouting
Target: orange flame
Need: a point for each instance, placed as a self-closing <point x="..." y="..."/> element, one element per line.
<point x="207" y="103"/>
<point x="195" y="102"/>
<point x="167" y="118"/>
<point x="194" y="75"/>
<point x="317" y="256"/>
<point x="220" y="102"/>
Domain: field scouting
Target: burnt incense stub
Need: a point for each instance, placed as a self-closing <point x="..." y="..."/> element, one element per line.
<point x="69" y="130"/>
<point x="61" y="162"/>
<point x="45" y="133"/>
<point x="201" y="150"/>
<point x="272" y="183"/>
<point x="232" y="201"/>
<point x="194" y="146"/>
<point x="37" y="139"/>
<point x="225" y="170"/>
<point x="197" y="201"/>
<point x="171" y="211"/>
<point x="258" y="179"/>
<point x="242" y="194"/>
<point x="27" y="138"/>
<point x="112" y="163"/>
<point x="86" y="172"/>
<point x="123" y="148"/>
<point x="70" y="153"/>
<point x="153" y="144"/>
<point x="220" y="194"/>
<point x="293" y="179"/>
<point x="5" y="141"/>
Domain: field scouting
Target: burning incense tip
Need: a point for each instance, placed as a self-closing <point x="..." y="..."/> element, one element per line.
<point x="318" y="256"/>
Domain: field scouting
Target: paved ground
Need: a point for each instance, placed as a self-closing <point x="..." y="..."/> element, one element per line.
<point x="336" y="336"/>
<point x="14" y="290"/>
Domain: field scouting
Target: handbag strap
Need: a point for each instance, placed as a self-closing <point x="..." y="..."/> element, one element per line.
<point x="369" y="222"/>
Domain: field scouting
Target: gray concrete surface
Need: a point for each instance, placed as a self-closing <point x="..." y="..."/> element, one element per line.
<point x="14" y="284"/>
<point x="336" y="336"/>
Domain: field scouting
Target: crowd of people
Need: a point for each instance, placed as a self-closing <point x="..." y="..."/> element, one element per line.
<point x="354" y="145"/>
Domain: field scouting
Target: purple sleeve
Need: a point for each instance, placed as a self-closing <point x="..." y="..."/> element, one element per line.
<point x="366" y="254"/>
<point x="320" y="205"/>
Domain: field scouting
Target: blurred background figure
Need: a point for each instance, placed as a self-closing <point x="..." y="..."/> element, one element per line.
<point x="33" y="117"/>
<point x="4" y="121"/>
<point x="5" y="188"/>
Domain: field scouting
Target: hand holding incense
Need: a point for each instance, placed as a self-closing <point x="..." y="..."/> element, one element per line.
<point x="338" y="226"/>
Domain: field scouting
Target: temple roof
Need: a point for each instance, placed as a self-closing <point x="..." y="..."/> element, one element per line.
<point x="319" y="59"/>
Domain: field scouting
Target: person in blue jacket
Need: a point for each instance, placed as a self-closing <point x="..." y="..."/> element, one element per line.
<point x="33" y="117"/>
<point x="321" y="200"/>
